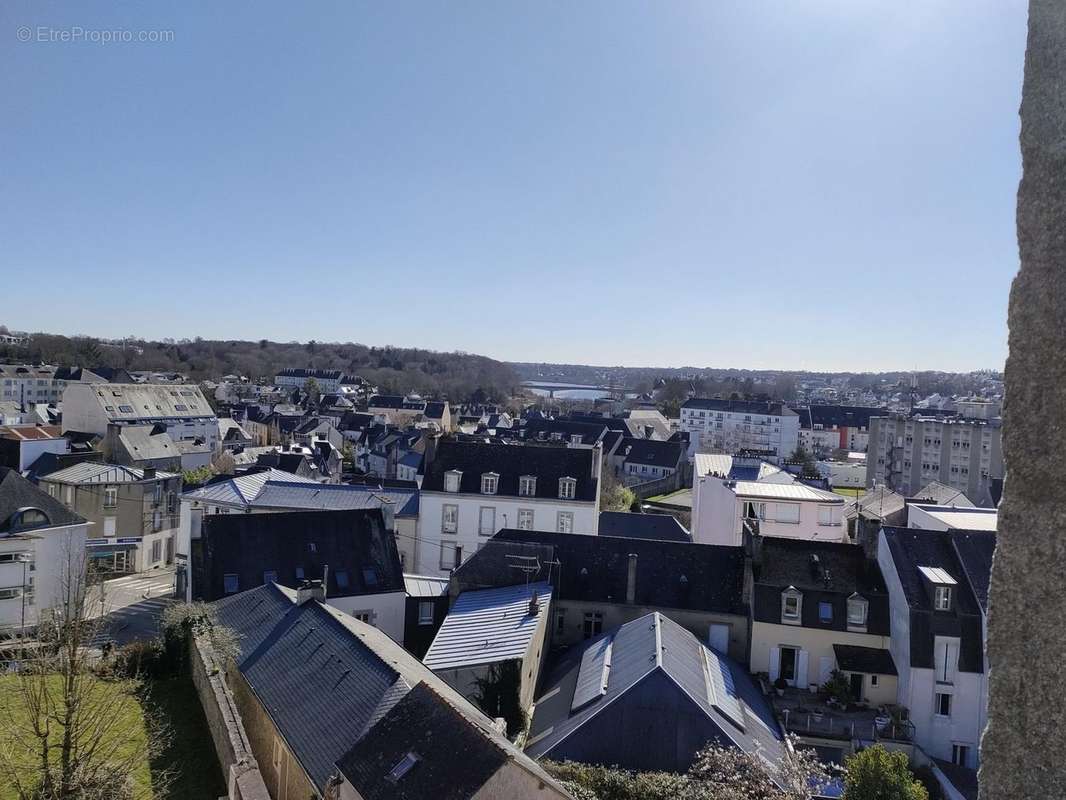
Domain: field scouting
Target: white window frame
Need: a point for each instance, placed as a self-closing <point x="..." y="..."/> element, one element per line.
<point x="860" y="604"/>
<point x="567" y="488"/>
<point x="527" y="486"/>
<point x="825" y="515"/>
<point x="423" y="617"/>
<point x="791" y="594"/>
<point x="937" y="704"/>
<point x="451" y="527"/>
<point x="564" y="522"/>
<point x="481" y="514"/>
<point x="490" y="482"/>
<point x="942" y="598"/>
<point x="453" y="479"/>
<point x="779" y="517"/>
<point x="525" y="519"/>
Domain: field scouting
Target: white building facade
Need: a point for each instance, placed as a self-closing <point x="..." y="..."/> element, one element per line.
<point x="730" y="426"/>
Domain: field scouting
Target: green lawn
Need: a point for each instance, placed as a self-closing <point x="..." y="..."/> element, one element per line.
<point x="849" y="492"/>
<point x="189" y="756"/>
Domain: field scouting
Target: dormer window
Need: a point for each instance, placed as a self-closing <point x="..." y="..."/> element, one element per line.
<point x="527" y="486"/>
<point x="451" y="480"/>
<point x="567" y="488"/>
<point x="857" y="610"/>
<point x="791" y="605"/>
<point x="942" y="598"/>
<point x="489" y="482"/>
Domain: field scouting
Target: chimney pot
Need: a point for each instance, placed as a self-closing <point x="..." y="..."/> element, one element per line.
<point x="310" y="590"/>
<point x="534" y="605"/>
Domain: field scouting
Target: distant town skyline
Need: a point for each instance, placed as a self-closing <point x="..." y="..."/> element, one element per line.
<point x="823" y="185"/>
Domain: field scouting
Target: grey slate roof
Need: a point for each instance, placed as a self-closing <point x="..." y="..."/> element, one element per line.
<point x="669" y="693"/>
<point x="17" y="493"/>
<point x="487" y="626"/>
<point x="326" y="679"/>
<point x="911" y="549"/>
<point x="663" y="527"/>
<point x="851" y="658"/>
<point x="739" y="406"/>
<point x="652" y="452"/>
<point x="595" y="568"/>
<point x="511" y="461"/>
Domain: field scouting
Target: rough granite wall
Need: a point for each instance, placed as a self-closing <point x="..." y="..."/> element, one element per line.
<point x="1024" y="747"/>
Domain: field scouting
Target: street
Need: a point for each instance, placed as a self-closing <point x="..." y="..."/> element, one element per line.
<point x="133" y="606"/>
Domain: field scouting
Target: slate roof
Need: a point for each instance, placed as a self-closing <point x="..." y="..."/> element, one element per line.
<point x="435" y="409"/>
<point x="738" y="469"/>
<point x="871" y="660"/>
<point x="975" y="551"/>
<point x="666" y="682"/>
<point x="147" y="400"/>
<point x="488" y="625"/>
<point x="652" y="452"/>
<point x="148" y="442"/>
<point x="740" y="406"/>
<point x="596" y="568"/>
<point x="912" y="549"/>
<point x="662" y="527"/>
<point x="394" y="401"/>
<point x="17" y="493"/>
<point x="422" y="723"/>
<point x="89" y="472"/>
<point x="789" y="562"/>
<point x="942" y="495"/>
<point x="830" y="417"/>
<point x="327" y="679"/>
<point x="326" y="374"/>
<point x="355" y="545"/>
<point x="510" y="461"/>
<point x="880" y="502"/>
<point x="590" y="432"/>
<point x="243" y="490"/>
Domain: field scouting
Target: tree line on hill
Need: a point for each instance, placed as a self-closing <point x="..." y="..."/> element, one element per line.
<point x="394" y="370"/>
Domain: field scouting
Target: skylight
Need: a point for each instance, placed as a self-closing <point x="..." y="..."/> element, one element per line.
<point x="403" y="766"/>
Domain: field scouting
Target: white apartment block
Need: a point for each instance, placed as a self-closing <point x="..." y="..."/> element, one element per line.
<point x="471" y="490"/>
<point x="329" y="380"/>
<point x="907" y="453"/>
<point x="729" y="426"/>
<point x="24" y="383"/>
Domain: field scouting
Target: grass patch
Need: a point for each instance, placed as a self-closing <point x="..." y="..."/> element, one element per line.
<point x="189" y="757"/>
<point x="849" y="491"/>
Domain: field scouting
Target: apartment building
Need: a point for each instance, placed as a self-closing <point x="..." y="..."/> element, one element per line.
<point x="471" y="490"/>
<point x="329" y="380"/>
<point x="730" y="426"/>
<point x="134" y="512"/>
<point x="25" y="383"/>
<point x="824" y="429"/>
<point x="180" y="409"/>
<point x="908" y="452"/>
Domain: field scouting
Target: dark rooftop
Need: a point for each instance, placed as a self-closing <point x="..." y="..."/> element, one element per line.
<point x="662" y="527"/>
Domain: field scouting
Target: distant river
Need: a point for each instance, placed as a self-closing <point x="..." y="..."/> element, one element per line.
<point x="573" y="391"/>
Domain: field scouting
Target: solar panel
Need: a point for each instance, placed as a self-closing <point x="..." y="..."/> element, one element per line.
<point x="592" y="675"/>
<point x="724" y="696"/>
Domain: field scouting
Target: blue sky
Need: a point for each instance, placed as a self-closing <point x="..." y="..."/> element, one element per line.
<point x="800" y="185"/>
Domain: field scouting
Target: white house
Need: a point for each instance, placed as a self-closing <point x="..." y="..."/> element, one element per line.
<point x="721" y="505"/>
<point x="730" y="426"/>
<point x="933" y="517"/>
<point x="471" y="490"/>
<point x="181" y="409"/>
<point x="938" y="599"/>
<point x="40" y="541"/>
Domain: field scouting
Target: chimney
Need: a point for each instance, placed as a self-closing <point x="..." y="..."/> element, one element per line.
<point x="310" y="590"/>
<point x="149" y="473"/>
<point x="534" y="605"/>
<point x="388" y="514"/>
<point x="631" y="580"/>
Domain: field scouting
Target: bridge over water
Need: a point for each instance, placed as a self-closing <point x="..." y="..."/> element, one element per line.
<point x="582" y="390"/>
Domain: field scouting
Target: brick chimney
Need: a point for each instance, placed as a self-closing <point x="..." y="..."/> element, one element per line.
<point x="631" y="580"/>
<point x="310" y="590"/>
<point x="534" y="604"/>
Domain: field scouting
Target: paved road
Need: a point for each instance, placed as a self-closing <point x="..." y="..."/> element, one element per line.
<point x="133" y="606"/>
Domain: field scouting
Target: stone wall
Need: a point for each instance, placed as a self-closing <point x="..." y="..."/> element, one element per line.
<point x="243" y="779"/>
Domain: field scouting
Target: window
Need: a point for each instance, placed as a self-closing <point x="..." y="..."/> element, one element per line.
<point x="787" y="512"/>
<point x="565" y="523"/>
<point x="364" y="616"/>
<point x="311" y="547"/>
<point x="447" y="555"/>
<point x="873" y="680"/>
<point x="157" y="550"/>
<point x="370" y="576"/>
<point x="270" y="576"/>
<point x="126" y="409"/>
<point x="299" y="573"/>
<point x="425" y="612"/>
<point x="109" y="526"/>
<point x="10" y="593"/>
<point x="942" y="598"/>
<point x="527" y="486"/>
<point x="180" y="407"/>
<point x="52" y="490"/>
<point x="942" y="705"/>
<point x="229" y="583"/>
<point x="825" y="515"/>
<point x="754" y="510"/>
<point x="960" y="754"/>
<point x="791" y="601"/>
<point x="489" y="482"/>
<point x="341" y="577"/>
<point x="525" y="519"/>
<point x="825" y="612"/>
<point x="402" y="767"/>
<point x="450" y="519"/>
<point x="486" y="525"/>
<point x="567" y="488"/>
<point x="857" y="608"/>
<point x="451" y="480"/>
<point x="593" y="625"/>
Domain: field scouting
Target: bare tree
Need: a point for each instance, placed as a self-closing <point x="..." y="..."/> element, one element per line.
<point x="68" y="733"/>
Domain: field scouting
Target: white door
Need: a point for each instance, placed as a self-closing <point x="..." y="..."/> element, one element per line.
<point x="801" y="670"/>
<point x="775" y="663"/>
<point x="718" y="638"/>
